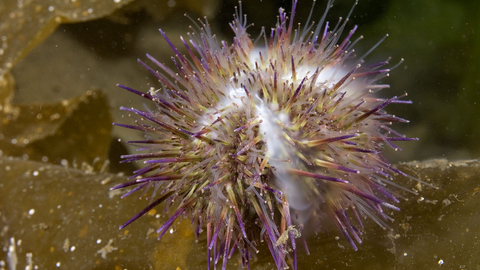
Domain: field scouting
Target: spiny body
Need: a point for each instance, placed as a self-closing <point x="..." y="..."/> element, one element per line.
<point x="253" y="143"/>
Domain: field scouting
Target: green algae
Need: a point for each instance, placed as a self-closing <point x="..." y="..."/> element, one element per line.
<point x="27" y="23"/>
<point x="76" y="130"/>
<point x="439" y="227"/>
<point x="65" y="216"/>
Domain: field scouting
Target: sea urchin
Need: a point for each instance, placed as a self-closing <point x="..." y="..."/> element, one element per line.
<point x="255" y="143"/>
